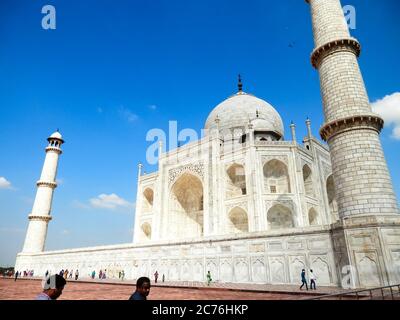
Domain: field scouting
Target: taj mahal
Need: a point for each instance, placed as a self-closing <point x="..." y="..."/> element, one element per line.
<point x="248" y="204"/>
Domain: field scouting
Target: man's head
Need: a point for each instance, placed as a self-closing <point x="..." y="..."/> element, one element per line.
<point x="54" y="285"/>
<point x="311" y="270"/>
<point x="303" y="270"/>
<point x="143" y="286"/>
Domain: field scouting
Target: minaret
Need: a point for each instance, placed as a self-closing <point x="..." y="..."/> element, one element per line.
<point x="40" y="215"/>
<point x="362" y="179"/>
<point x="367" y="204"/>
<point x="293" y="130"/>
<point x="309" y="131"/>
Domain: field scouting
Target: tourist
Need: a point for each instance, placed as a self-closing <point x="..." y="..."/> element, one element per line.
<point x="71" y="273"/>
<point x="104" y="274"/>
<point x="209" y="279"/>
<point x="46" y="274"/>
<point x="76" y="274"/>
<point x="312" y="280"/>
<point x="155" y="276"/>
<point x="122" y="275"/>
<point x="16" y="276"/>
<point x="163" y="277"/>
<point x="52" y="288"/>
<point x="93" y="274"/>
<point x="66" y="274"/>
<point x="303" y="279"/>
<point x="142" y="289"/>
<point x="101" y="274"/>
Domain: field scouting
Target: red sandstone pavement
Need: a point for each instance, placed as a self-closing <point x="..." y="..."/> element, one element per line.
<point x="27" y="289"/>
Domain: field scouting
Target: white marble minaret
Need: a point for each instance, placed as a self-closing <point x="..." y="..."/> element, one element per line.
<point x="40" y="215"/>
<point x="368" y="235"/>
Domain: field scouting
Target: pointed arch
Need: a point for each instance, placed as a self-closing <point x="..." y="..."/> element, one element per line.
<point x="313" y="217"/>
<point x="308" y="181"/>
<point x="280" y="217"/>
<point x="146" y="231"/>
<point x="236" y="182"/>
<point x="276" y="177"/>
<point x="148" y="197"/>
<point x="186" y="207"/>
<point x="238" y="220"/>
<point x="332" y="202"/>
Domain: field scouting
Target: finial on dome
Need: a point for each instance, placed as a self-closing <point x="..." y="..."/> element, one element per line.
<point x="240" y="84"/>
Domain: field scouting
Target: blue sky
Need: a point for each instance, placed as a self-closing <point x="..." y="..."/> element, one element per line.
<point x="112" y="70"/>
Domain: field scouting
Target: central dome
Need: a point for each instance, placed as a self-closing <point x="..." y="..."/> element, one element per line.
<point x="241" y="109"/>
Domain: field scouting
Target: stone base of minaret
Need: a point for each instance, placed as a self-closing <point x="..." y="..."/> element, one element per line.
<point x="367" y="251"/>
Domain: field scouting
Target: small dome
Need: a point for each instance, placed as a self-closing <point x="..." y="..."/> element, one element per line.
<point x="56" y="135"/>
<point x="240" y="110"/>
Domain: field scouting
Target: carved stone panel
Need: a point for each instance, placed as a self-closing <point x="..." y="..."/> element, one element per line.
<point x="226" y="271"/>
<point x="278" y="269"/>
<point x="211" y="265"/>
<point x="258" y="269"/>
<point x="368" y="269"/>
<point x="297" y="264"/>
<point x="241" y="270"/>
<point x="321" y="270"/>
<point x="195" y="168"/>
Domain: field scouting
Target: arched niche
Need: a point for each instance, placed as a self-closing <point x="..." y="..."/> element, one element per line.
<point x="331" y="192"/>
<point x="313" y="218"/>
<point x="148" y="197"/>
<point x="186" y="207"/>
<point x="276" y="177"/>
<point x="280" y="217"/>
<point x="146" y="231"/>
<point x="308" y="181"/>
<point x="236" y="181"/>
<point x="238" y="220"/>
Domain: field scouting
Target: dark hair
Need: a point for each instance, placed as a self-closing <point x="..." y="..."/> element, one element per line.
<point x="311" y="270"/>
<point x="303" y="270"/>
<point x="140" y="281"/>
<point x="54" y="281"/>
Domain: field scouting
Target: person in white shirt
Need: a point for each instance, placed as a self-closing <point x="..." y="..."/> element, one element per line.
<point x="312" y="280"/>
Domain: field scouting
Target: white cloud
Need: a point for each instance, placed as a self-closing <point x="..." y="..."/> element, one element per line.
<point x="4" y="183"/>
<point x="128" y="114"/>
<point x="109" y="201"/>
<point x="152" y="107"/>
<point x="389" y="109"/>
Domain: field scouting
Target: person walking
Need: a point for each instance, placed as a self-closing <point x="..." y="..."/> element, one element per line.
<point x="142" y="289"/>
<point x="16" y="276"/>
<point x="303" y="279"/>
<point x="155" y="276"/>
<point x="122" y="275"/>
<point x="76" y="274"/>
<point x="209" y="279"/>
<point x="71" y="273"/>
<point x="313" y="278"/>
<point x="163" y="277"/>
<point x="93" y="274"/>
